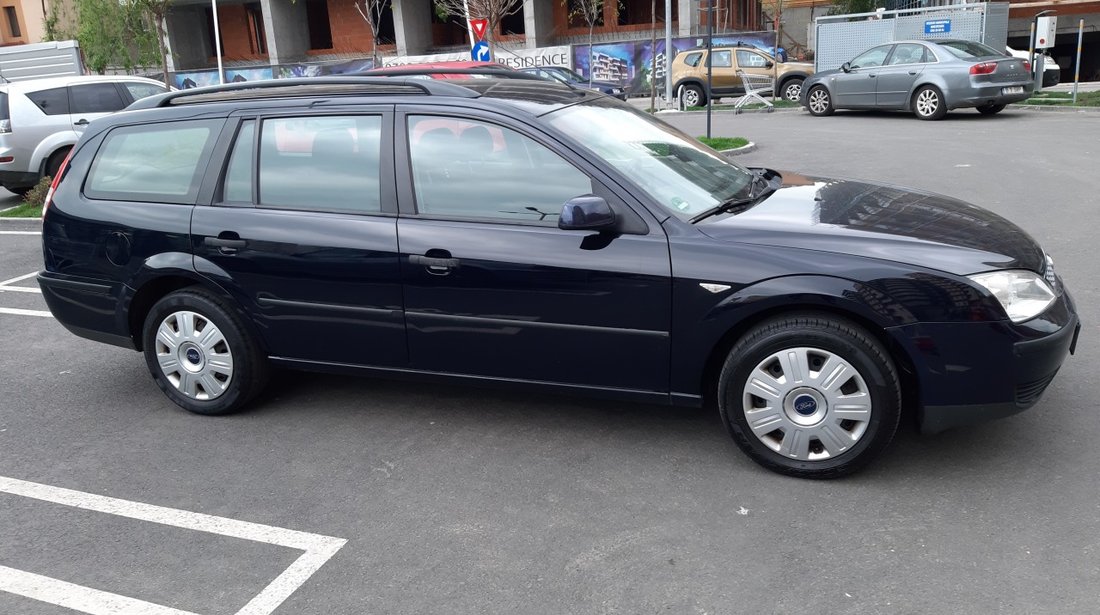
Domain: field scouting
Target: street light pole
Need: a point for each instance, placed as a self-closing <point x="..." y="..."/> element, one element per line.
<point x="218" y="41"/>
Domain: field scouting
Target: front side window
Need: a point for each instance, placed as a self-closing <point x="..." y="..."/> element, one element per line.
<point x="54" y="101"/>
<point x="476" y="170"/>
<point x="750" y="59"/>
<point x="320" y="163"/>
<point x="95" y="98"/>
<point x="872" y="58"/>
<point x="678" y="172"/>
<point x="156" y="163"/>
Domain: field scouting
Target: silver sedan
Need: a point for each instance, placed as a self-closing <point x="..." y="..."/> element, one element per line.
<point x="925" y="77"/>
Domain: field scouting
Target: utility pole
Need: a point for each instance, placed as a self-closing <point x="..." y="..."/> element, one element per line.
<point x="710" y="58"/>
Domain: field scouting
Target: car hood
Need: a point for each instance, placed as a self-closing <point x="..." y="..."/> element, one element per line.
<point x="882" y="222"/>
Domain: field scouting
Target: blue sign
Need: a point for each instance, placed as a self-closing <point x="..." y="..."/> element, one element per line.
<point x="480" y="52"/>
<point x="937" y="26"/>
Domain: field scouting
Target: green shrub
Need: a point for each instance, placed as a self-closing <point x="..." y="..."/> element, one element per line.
<point x="36" y="196"/>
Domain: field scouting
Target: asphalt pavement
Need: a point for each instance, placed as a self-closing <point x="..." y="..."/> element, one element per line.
<point x="460" y="500"/>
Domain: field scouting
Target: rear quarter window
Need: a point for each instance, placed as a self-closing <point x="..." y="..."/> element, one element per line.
<point x="153" y="163"/>
<point x="54" y="101"/>
<point x="692" y="59"/>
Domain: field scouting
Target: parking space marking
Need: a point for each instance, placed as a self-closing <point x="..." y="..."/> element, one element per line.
<point x="6" y="284"/>
<point x="318" y="550"/>
<point x="19" y="312"/>
<point x="75" y="597"/>
<point x="20" y="232"/>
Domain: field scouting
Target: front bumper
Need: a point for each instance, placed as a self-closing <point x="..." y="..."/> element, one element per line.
<point x="973" y="372"/>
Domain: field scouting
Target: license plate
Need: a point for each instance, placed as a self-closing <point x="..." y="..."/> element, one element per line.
<point x="1015" y="89"/>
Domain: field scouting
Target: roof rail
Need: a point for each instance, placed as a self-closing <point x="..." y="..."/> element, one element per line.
<point x="305" y="86"/>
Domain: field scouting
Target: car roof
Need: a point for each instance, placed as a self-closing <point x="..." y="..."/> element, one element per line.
<point x="54" y="82"/>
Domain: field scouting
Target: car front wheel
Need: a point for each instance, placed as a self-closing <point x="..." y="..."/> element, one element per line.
<point x="201" y="355"/>
<point x="792" y="90"/>
<point x="928" y="103"/>
<point x="810" y="396"/>
<point x="819" y="102"/>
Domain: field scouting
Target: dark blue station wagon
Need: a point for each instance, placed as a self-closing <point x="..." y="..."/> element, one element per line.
<point x="529" y="234"/>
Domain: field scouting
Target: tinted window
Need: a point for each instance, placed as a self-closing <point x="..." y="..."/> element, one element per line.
<point x="95" y="98"/>
<point x="723" y="59"/>
<point x="54" y="101"/>
<point x="966" y="50"/>
<point x="692" y="59"/>
<point x="468" y="169"/>
<point x="325" y="163"/>
<point x="907" y="53"/>
<point x="238" y="177"/>
<point x="748" y="59"/>
<point x="159" y="162"/>
<point x="140" y="90"/>
<point x="872" y="58"/>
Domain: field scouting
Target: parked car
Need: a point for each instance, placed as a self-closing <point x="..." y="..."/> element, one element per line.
<point x="689" y="71"/>
<point x="925" y="77"/>
<point x="41" y="119"/>
<point x="1052" y="73"/>
<point x="520" y="233"/>
<point x="564" y="75"/>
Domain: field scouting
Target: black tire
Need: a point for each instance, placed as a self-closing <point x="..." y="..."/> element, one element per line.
<point x="53" y="164"/>
<point x="928" y="103"/>
<point x="19" y="190"/>
<point x="694" y="93"/>
<point x="792" y="89"/>
<point x="822" y="341"/>
<point x="819" y="102"/>
<point x="991" y="109"/>
<point x="248" y="371"/>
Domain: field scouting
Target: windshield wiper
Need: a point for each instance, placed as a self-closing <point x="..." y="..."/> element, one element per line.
<point x="737" y="205"/>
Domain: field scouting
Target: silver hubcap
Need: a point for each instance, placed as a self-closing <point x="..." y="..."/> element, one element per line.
<point x="194" y="356"/>
<point x="819" y="101"/>
<point x="927" y="102"/>
<point x="807" y="404"/>
<point x="691" y="98"/>
<point x="793" y="91"/>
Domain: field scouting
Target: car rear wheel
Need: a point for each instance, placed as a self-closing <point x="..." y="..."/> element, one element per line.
<point x="53" y="165"/>
<point x="819" y="102"/>
<point x="792" y="90"/>
<point x="201" y="355"/>
<point x="928" y="103"/>
<point x="810" y="396"/>
<point x="991" y="109"/>
<point x="694" y="96"/>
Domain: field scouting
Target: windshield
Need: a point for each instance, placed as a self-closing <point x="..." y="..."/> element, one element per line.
<point x="966" y="50"/>
<point x="681" y="174"/>
<point x="567" y="74"/>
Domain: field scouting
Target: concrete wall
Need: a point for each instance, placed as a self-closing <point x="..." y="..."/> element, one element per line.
<point x="412" y="23"/>
<point x="538" y="23"/>
<point x="287" y="30"/>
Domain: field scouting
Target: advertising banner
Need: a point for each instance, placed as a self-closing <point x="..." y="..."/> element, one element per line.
<point x="514" y="58"/>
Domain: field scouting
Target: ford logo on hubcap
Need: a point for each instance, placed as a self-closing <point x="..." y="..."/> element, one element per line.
<point x="193" y="355"/>
<point x="805" y="405"/>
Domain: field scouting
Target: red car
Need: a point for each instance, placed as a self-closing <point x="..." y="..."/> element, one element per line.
<point x="444" y="65"/>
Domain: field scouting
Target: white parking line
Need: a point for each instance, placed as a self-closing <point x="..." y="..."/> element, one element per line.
<point x="20" y="232"/>
<point x="19" y="278"/>
<point x="318" y="549"/>
<point x="19" y="312"/>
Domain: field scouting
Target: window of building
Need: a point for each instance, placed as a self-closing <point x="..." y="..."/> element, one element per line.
<point x="157" y="163"/>
<point x="215" y="51"/>
<point x="320" y="31"/>
<point x="475" y="170"/>
<point x="257" y="38"/>
<point x="513" y="24"/>
<point x="323" y="163"/>
<point x="13" y="21"/>
<point x="54" y="101"/>
<point x="95" y="98"/>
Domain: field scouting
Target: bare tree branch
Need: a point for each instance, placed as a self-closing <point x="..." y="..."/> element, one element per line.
<point x="372" y="11"/>
<point x="493" y="11"/>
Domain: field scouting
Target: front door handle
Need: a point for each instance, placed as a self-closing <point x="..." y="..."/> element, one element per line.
<point x="81" y="122"/>
<point x="436" y="265"/>
<point x="912" y="72"/>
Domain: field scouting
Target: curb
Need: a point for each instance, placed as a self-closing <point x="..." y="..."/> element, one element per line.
<point x="734" y="112"/>
<point x="737" y="151"/>
<point x="1056" y="108"/>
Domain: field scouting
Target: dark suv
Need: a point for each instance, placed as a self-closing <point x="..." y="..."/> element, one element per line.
<point x="524" y="233"/>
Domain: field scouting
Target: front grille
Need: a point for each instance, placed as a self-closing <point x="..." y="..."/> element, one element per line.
<point x="1029" y="392"/>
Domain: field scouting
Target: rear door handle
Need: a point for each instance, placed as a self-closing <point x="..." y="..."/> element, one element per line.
<point x="226" y="245"/>
<point x="912" y="72"/>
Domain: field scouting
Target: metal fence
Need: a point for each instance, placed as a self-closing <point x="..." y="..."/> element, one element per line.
<point x="840" y="38"/>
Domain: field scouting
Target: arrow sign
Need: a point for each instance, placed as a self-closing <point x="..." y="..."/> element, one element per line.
<point x="479" y="26"/>
<point x="480" y="52"/>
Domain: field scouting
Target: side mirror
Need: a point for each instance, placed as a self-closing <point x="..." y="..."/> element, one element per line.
<point x="846" y="67"/>
<point x="769" y="64"/>
<point x="587" y="213"/>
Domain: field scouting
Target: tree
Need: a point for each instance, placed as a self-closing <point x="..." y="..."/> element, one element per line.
<point x="156" y="11"/>
<point x="372" y="11"/>
<point x="112" y="34"/>
<point x="591" y="12"/>
<point x="492" y="11"/>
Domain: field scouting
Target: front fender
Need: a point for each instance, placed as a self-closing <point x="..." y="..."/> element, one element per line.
<point x="706" y="322"/>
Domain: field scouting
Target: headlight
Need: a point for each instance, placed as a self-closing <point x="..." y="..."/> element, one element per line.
<point x="1023" y="294"/>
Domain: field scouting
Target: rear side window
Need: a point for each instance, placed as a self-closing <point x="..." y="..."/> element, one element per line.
<point x="95" y="98"/>
<point x="54" y="101"/>
<point x="966" y="50"/>
<point x="154" y="163"/>
<point x="321" y="163"/>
